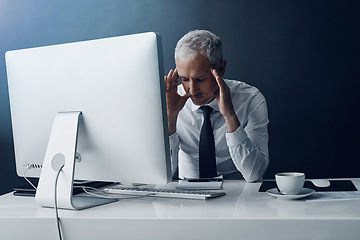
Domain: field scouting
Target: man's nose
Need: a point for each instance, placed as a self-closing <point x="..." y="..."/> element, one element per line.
<point x="193" y="87"/>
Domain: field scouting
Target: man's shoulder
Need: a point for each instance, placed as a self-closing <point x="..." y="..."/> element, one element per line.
<point x="241" y="87"/>
<point x="243" y="94"/>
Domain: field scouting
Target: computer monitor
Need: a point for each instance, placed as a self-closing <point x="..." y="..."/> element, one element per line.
<point x="101" y="102"/>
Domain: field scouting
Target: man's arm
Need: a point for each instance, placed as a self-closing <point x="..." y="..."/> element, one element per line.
<point x="174" y="104"/>
<point x="174" y="152"/>
<point x="248" y="146"/>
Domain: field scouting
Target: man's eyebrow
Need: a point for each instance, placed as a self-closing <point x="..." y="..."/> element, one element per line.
<point x="201" y="76"/>
<point x="197" y="77"/>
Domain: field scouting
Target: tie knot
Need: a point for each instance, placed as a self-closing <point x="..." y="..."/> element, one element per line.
<point x="206" y="110"/>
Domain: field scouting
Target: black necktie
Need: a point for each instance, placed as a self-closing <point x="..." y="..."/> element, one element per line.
<point x="207" y="160"/>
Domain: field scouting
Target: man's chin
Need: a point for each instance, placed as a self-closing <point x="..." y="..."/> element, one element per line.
<point x="198" y="102"/>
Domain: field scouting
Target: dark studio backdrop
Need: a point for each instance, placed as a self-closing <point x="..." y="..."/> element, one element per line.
<point x="302" y="55"/>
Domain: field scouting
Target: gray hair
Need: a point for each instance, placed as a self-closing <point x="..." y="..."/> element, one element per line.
<point x="200" y="41"/>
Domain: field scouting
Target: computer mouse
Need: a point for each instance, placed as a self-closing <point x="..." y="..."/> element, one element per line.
<point x="320" y="182"/>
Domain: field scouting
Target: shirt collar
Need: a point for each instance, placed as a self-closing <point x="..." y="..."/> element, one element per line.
<point x="212" y="104"/>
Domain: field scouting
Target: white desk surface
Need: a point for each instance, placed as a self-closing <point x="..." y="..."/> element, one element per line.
<point x="243" y="213"/>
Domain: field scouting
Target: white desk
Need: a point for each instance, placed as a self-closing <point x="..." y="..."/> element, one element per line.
<point x="244" y="213"/>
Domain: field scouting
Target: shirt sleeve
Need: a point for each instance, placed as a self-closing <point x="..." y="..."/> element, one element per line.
<point x="248" y="145"/>
<point x="174" y="143"/>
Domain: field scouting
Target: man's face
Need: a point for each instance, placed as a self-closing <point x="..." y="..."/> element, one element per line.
<point x="197" y="79"/>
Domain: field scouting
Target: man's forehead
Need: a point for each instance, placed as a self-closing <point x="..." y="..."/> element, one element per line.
<point x="192" y="71"/>
<point x="196" y="68"/>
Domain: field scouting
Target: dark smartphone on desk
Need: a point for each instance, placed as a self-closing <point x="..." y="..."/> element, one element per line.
<point x="204" y="180"/>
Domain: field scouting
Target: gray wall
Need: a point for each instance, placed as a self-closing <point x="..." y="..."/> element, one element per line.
<point x="303" y="56"/>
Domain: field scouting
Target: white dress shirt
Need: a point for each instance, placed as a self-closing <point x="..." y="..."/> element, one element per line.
<point x="245" y="150"/>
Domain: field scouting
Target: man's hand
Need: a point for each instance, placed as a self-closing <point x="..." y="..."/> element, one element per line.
<point x="174" y="101"/>
<point x="223" y="97"/>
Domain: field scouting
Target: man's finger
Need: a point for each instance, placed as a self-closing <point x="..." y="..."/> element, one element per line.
<point x="217" y="77"/>
<point x="175" y="77"/>
<point x="167" y="78"/>
<point x="171" y="80"/>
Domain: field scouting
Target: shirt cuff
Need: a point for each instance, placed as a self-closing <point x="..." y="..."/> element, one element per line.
<point x="236" y="138"/>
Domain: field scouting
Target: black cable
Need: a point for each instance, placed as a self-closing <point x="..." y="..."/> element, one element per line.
<point x="56" y="208"/>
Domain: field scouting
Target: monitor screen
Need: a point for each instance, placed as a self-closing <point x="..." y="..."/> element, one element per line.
<point x="116" y="83"/>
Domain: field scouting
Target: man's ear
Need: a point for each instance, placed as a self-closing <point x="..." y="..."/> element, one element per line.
<point x="222" y="67"/>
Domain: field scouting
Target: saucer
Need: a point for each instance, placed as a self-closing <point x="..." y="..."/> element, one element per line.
<point x="304" y="193"/>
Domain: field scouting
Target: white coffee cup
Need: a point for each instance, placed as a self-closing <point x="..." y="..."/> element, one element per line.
<point x="290" y="183"/>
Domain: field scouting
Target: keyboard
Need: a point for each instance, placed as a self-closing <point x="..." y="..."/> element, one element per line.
<point x="167" y="193"/>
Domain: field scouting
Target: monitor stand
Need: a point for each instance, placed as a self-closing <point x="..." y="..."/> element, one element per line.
<point x="60" y="156"/>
